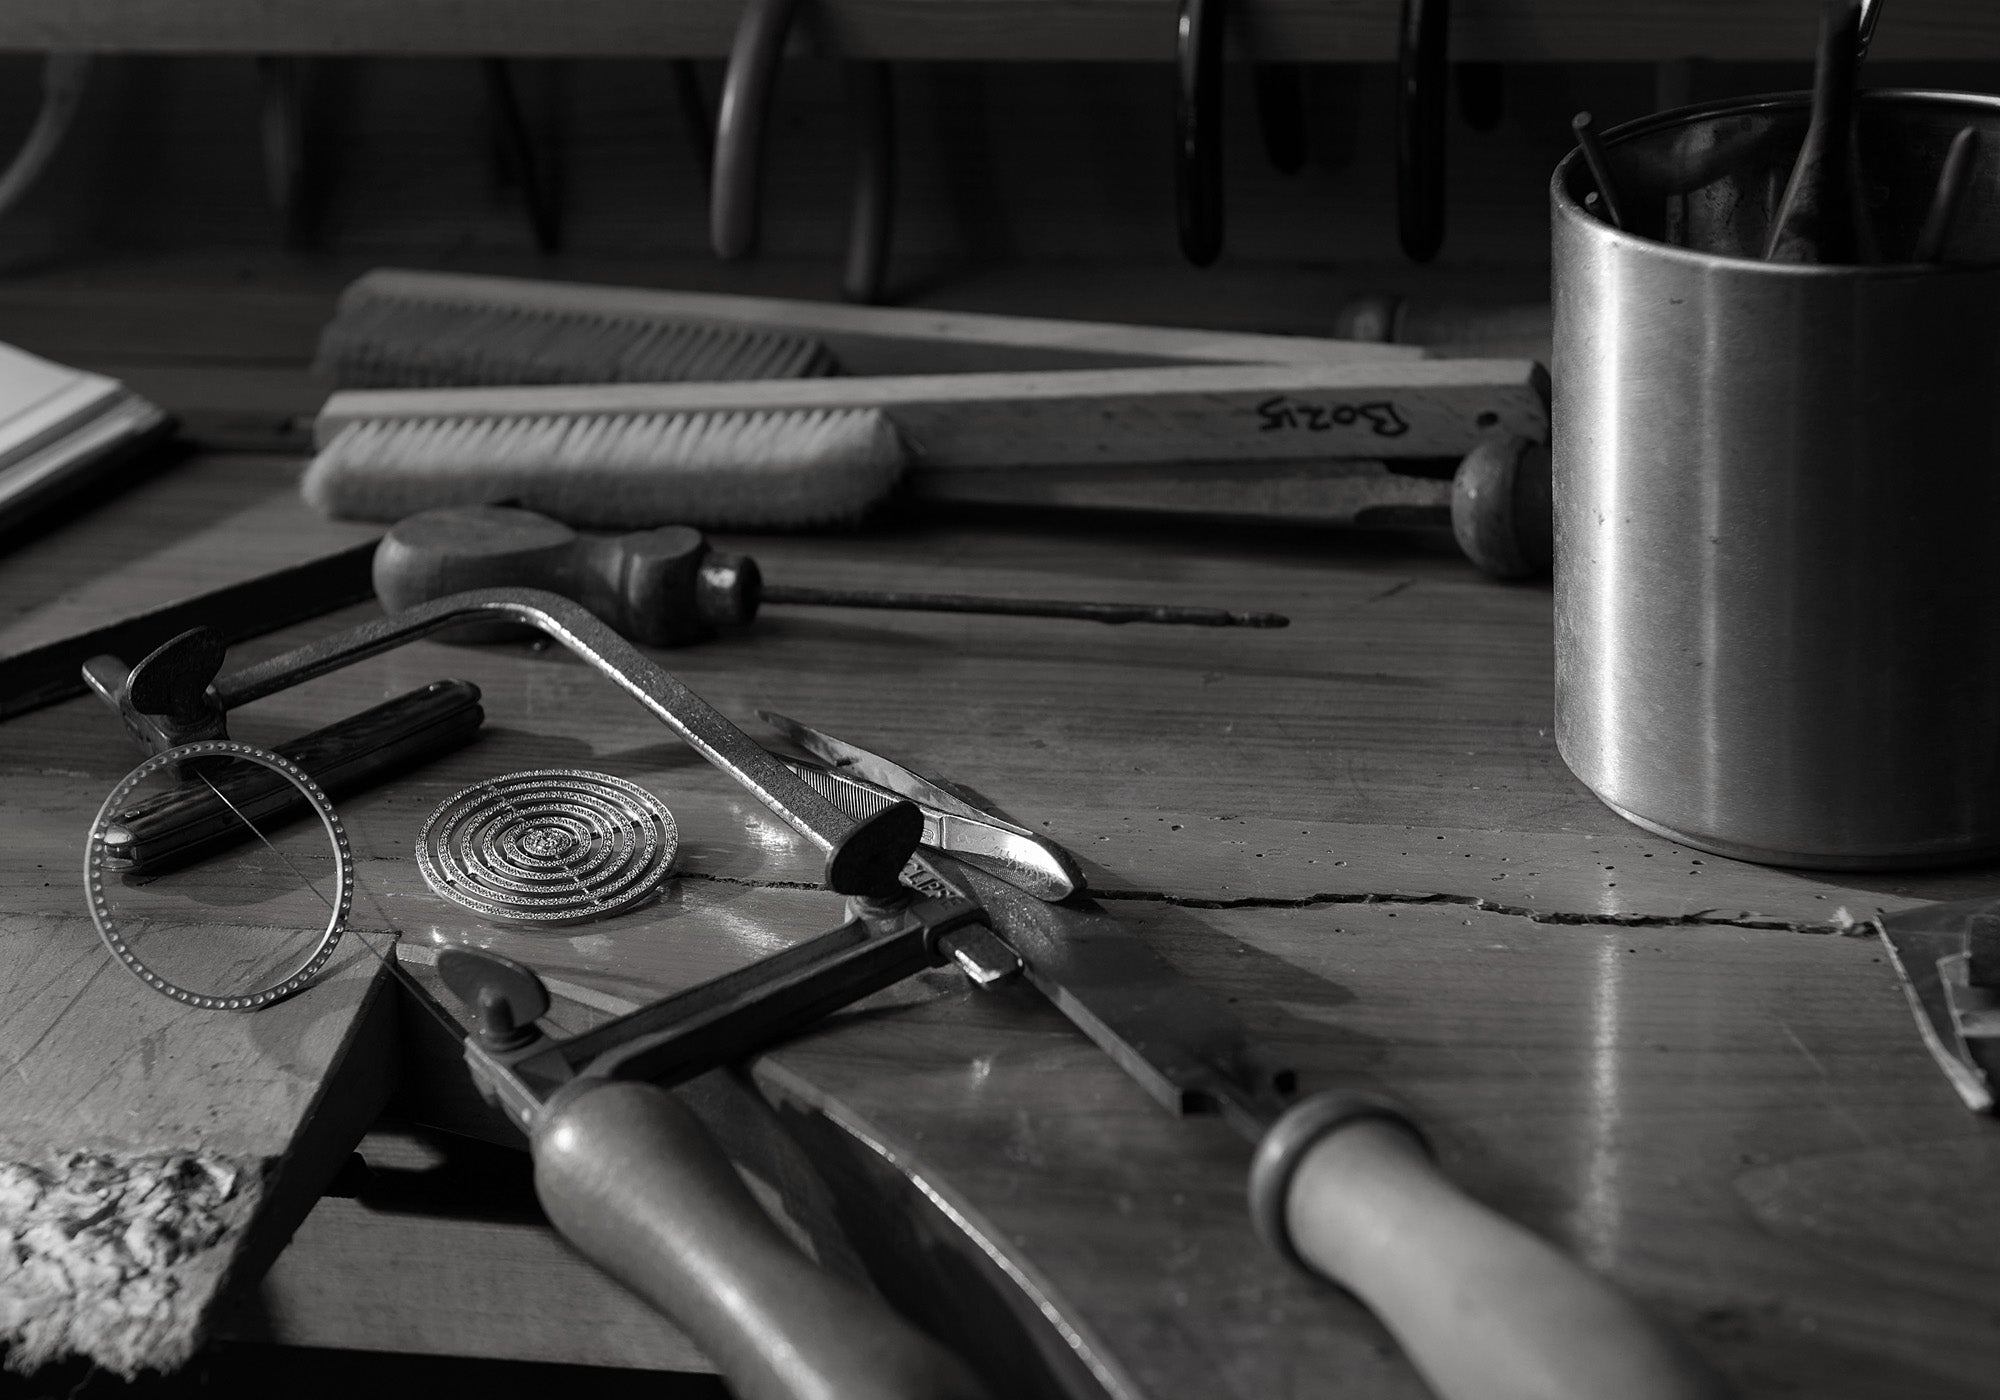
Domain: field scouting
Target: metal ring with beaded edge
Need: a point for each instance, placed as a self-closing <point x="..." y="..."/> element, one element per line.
<point x="336" y="924"/>
<point x="1286" y="1143"/>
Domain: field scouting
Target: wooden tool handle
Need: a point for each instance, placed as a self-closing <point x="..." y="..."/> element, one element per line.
<point x="1502" y="511"/>
<point x="1484" y="1309"/>
<point x="195" y="821"/>
<point x="1497" y="503"/>
<point x="631" y="1178"/>
<point x="644" y="584"/>
<point x="1059" y="418"/>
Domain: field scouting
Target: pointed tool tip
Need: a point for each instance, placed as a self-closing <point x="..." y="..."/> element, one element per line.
<point x="778" y="722"/>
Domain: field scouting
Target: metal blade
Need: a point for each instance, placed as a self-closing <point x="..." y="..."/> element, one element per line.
<point x="961" y="828"/>
<point x="1928" y="947"/>
<point x="423" y="955"/>
<point x="1186" y="1048"/>
<point x="580" y="1050"/>
<point x="772" y="1010"/>
<point x="883" y="772"/>
<point x="985" y="842"/>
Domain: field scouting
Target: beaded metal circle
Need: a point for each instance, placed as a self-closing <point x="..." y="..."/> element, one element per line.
<point x="550" y="846"/>
<point x="94" y="855"/>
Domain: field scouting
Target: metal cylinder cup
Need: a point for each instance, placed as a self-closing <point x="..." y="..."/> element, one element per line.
<point x="1777" y="494"/>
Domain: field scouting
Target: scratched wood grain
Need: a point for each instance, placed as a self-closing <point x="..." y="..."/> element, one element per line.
<point x="1673" y="1064"/>
<point x="102" y="1068"/>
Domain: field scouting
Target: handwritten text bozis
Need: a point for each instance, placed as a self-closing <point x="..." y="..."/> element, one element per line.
<point x="1282" y="413"/>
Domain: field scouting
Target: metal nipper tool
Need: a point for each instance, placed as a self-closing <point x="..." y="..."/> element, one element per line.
<point x="859" y="780"/>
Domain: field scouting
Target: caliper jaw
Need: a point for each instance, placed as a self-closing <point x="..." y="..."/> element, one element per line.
<point x="525" y="1072"/>
<point x="979" y="952"/>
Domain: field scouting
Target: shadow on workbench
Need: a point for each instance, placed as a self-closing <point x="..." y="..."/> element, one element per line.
<point x="312" y="1373"/>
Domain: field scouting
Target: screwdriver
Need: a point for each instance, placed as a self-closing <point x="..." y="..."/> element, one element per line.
<point x="667" y="587"/>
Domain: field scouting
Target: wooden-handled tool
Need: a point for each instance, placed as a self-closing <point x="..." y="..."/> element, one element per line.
<point x="634" y="1181"/>
<point x="1343" y="1185"/>
<point x="1055" y="418"/>
<point x="1495" y="499"/>
<point x="793" y="453"/>
<point x="666" y="587"/>
<point x="1484" y="1308"/>
<point x="195" y="821"/>
<point x="167" y="700"/>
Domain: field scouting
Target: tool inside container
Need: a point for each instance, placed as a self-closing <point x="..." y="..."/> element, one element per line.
<point x="1711" y="178"/>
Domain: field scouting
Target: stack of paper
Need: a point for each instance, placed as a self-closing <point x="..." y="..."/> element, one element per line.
<point x="59" y="429"/>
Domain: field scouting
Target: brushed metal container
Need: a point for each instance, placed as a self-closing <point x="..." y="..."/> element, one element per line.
<point x="1777" y="496"/>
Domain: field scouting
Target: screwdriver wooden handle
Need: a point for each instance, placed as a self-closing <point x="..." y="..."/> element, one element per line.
<point x="1484" y="1309"/>
<point x="1496" y="501"/>
<point x="196" y="820"/>
<point x="631" y="1178"/>
<point x="662" y="587"/>
<point x="665" y="587"/>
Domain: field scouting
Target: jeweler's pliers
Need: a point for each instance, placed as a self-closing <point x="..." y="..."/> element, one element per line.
<point x="861" y="783"/>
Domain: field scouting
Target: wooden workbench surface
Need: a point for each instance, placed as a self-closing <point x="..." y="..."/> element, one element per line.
<point x="1691" y="1073"/>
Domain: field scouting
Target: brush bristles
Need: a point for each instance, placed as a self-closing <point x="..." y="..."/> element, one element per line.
<point x="382" y="343"/>
<point x="744" y="471"/>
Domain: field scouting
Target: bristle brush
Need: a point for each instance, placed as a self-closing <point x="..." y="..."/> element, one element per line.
<point x="807" y="452"/>
<point x="742" y="471"/>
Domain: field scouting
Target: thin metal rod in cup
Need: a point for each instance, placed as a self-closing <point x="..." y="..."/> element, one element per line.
<point x="1871" y="15"/>
<point x="1945" y="198"/>
<point x="1600" y="168"/>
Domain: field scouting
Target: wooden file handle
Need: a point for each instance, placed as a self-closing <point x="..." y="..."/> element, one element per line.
<point x="632" y="1179"/>
<point x="1484" y="1309"/>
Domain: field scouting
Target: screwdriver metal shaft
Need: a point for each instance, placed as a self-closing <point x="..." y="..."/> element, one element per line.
<point x="667" y="587"/>
<point x="793" y="594"/>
